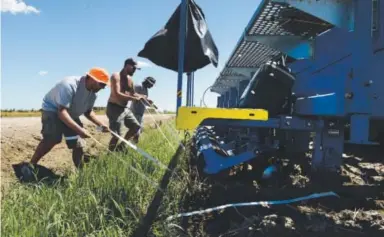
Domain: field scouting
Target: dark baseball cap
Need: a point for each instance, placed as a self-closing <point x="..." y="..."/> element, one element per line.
<point x="150" y="80"/>
<point x="132" y="62"/>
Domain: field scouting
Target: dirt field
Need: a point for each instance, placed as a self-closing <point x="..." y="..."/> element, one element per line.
<point x="20" y="136"/>
<point x="358" y="211"/>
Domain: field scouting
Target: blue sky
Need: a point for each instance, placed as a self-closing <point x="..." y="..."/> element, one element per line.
<point x="44" y="41"/>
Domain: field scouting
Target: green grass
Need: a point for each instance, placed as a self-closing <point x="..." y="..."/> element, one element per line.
<point x="106" y="198"/>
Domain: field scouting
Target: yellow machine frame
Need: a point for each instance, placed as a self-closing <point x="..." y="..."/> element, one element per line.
<point x="188" y="118"/>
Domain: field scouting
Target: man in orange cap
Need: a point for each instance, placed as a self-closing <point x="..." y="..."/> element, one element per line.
<point x="62" y="106"/>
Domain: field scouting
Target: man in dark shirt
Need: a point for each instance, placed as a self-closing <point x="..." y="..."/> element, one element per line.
<point x="138" y="107"/>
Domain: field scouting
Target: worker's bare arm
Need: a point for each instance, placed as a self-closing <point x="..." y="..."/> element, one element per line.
<point x="66" y="118"/>
<point x="91" y="116"/>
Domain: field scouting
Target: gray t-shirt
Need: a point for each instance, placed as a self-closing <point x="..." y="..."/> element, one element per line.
<point x="72" y="94"/>
<point x="137" y="107"/>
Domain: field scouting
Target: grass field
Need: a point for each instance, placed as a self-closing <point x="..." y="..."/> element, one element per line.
<point x="105" y="199"/>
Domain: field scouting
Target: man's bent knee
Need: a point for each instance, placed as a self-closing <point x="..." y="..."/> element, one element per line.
<point x="133" y="126"/>
<point x="115" y="127"/>
<point x="77" y="157"/>
<point x="50" y="141"/>
<point x="136" y="128"/>
<point x="76" y="144"/>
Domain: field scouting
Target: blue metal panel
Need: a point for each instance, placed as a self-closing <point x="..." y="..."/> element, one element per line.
<point x="360" y="129"/>
<point x="378" y="20"/>
<point x="243" y="84"/>
<point x="222" y="97"/>
<point x="362" y="49"/>
<point x="233" y="97"/>
<point x="377" y="86"/>
<point x="226" y="101"/>
<point x="329" y="147"/>
<point x="343" y="80"/>
<point x="336" y="12"/>
<point x="321" y="105"/>
<point x="310" y="79"/>
<point x="222" y="102"/>
<point x="285" y="123"/>
<point x="215" y="162"/>
<point x="192" y="88"/>
<point x="273" y="21"/>
<point x="300" y="66"/>
<point x="189" y="89"/>
<point x="332" y="46"/>
<point x="219" y="99"/>
<point x="338" y="68"/>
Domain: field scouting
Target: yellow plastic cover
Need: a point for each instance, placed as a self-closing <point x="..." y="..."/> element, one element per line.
<point x="189" y="118"/>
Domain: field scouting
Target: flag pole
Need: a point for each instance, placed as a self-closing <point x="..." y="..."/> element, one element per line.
<point x="181" y="56"/>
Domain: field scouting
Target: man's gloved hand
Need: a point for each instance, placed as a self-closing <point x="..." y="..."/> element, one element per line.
<point x="84" y="134"/>
<point x="103" y="128"/>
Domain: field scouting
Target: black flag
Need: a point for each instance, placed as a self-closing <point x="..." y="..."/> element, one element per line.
<point x="200" y="49"/>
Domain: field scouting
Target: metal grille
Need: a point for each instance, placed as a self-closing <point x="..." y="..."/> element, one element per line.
<point x="281" y="19"/>
<point x="219" y="87"/>
<point x="251" y="54"/>
<point x="302" y="24"/>
<point x="273" y="19"/>
<point x="223" y="80"/>
<point x="267" y="22"/>
<point x="220" y="90"/>
<point x="230" y="72"/>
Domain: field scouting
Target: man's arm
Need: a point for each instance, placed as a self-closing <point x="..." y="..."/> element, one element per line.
<point x="91" y="116"/>
<point x="115" y="86"/>
<point x="66" y="118"/>
<point x="64" y="99"/>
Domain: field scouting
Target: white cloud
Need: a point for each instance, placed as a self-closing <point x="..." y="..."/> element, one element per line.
<point x="43" y="73"/>
<point x="17" y="6"/>
<point x="143" y="64"/>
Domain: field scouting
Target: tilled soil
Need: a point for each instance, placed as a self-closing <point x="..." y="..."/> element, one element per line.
<point x="357" y="211"/>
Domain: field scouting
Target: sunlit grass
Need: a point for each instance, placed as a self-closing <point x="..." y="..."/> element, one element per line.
<point x="106" y="198"/>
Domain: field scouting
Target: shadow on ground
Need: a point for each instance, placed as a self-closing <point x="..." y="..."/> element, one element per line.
<point x="27" y="173"/>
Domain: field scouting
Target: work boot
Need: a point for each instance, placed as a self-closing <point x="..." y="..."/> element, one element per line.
<point x="135" y="139"/>
<point x="122" y="147"/>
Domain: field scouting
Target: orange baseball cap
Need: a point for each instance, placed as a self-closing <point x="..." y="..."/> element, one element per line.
<point x="99" y="74"/>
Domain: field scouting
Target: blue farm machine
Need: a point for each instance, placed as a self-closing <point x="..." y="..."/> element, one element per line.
<point x="304" y="73"/>
<point x="306" y="76"/>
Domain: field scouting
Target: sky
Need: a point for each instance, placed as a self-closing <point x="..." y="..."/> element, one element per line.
<point x="44" y="41"/>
